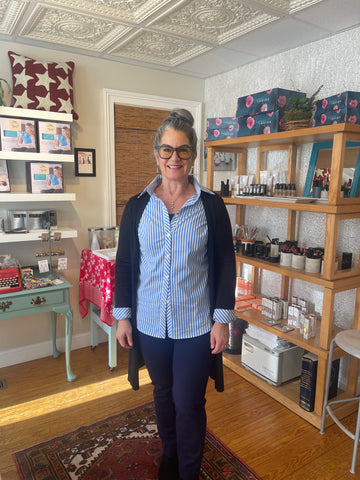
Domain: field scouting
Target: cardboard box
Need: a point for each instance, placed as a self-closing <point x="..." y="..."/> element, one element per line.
<point x="221" y="133"/>
<point x="18" y="135"/>
<point x="55" y="137"/>
<point x="343" y="115"/>
<point x="44" y="177"/>
<point x="266" y="101"/>
<point x="340" y="108"/>
<point x="262" y="123"/>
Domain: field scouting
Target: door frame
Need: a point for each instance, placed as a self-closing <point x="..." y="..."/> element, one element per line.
<point x="112" y="97"/>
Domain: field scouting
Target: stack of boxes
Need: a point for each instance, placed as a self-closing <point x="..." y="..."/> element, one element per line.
<point x="263" y="112"/>
<point x="256" y="114"/>
<point x="341" y="108"/>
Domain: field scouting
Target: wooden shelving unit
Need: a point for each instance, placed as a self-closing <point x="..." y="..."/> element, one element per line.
<point x="336" y="209"/>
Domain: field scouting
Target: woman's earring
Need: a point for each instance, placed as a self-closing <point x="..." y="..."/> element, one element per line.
<point x="158" y="169"/>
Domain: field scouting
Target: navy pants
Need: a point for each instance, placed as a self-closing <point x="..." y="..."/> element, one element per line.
<point x="179" y="371"/>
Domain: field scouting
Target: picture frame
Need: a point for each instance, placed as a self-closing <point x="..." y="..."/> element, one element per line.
<point x="317" y="160"/>
<point x="223" y="161"/>
<point x="19" y="135"/>
<point x="55" y="138"/>
<point x="85" y="162"/>
<point x="4" y="177"/>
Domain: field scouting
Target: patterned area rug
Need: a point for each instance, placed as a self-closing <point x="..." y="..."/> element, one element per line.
<point x="122" y="447"/>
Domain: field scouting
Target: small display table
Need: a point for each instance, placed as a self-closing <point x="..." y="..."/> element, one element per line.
<point x="54" y="299"/>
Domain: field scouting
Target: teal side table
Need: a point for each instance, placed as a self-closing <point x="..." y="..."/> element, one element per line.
<point x="54" y="299"/>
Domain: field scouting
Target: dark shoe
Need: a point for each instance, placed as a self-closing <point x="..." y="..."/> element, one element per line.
<point x="168" y="469"/>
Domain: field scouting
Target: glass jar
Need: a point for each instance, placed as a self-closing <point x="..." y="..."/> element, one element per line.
<point x="107" y="237"/>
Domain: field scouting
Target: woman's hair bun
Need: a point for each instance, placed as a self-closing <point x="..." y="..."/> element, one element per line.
<point x="184" y="115"/>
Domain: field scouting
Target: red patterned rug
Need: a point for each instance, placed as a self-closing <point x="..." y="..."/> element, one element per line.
<point x="122" y="447"/>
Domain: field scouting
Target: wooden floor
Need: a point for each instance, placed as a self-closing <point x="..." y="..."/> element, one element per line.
<point x="39" y="404"/>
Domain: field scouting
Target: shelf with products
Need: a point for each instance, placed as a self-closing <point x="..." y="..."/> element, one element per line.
<point x="336" y="209"/>
<point x="18" y="197"/>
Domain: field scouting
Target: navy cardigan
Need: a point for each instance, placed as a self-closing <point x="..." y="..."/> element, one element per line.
<point x="222" y="271"/>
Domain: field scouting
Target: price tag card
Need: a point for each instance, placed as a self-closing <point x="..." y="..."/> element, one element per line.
<point x="43" y="266"/>
<point x="62" y="263"/>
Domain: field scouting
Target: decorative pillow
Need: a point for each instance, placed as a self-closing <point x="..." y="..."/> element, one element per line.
<point x="41" y="85"/>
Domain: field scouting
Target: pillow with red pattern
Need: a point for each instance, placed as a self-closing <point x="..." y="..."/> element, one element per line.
<point x="41" y="85"/>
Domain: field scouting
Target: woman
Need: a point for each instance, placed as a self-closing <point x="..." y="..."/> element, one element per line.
<point x="174" y="293"/>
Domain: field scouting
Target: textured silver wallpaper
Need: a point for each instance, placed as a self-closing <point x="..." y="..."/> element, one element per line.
<point x="334" y="63"/>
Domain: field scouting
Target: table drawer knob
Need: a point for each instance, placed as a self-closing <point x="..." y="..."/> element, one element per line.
<point x="38" y="301"/>
<point x="5" y="305"/>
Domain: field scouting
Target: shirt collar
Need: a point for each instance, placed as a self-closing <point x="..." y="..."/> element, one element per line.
<point x="150" y="189"/>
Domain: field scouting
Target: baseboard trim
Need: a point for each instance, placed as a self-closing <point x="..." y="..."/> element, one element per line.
<point x="44" y="349"/>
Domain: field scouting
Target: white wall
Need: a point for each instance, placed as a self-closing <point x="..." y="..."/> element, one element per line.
<point x="334" y="63"/>
<point x="30" y="334"/>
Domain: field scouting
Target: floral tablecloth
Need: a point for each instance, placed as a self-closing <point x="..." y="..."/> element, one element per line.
<point x="96" y="285"/>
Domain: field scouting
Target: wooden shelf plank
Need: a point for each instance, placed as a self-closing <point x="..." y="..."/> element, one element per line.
<point x="37" y="157"/>
<point x="312" y="345"/>
<point x="342" y="280"/>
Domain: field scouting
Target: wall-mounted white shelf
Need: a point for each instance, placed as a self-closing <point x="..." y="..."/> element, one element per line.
<point x="37" y="157"/>
<point x="36" y="114"/>
<point x="35" y="235"/>
<point x="37" y="197"/>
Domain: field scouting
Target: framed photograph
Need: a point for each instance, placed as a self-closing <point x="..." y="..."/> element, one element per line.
<point x="85" y="162"/>
<point x="223" y="161"/>
<point x="18" y="135"/>
<point x="44" y="177"/>
<point x="319" y="167"/>
<point x="4" y="177"/>
<point x="55" y="138"/>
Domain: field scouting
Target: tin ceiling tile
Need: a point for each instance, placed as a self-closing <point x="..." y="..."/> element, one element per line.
<point x="159" y="48"/>
<point x="127" y="10"/>
<point x="214" y="21"/>
<point x="74" y="29"/>
<point x="10" y="14"/>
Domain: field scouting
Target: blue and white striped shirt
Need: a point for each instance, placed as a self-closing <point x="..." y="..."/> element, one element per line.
<point x="173" y="291"/>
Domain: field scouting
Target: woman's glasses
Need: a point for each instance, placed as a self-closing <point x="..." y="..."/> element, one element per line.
<point x="184" y="152"/>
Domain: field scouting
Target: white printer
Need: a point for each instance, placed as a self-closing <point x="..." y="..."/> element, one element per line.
<point x="275" y="365"/>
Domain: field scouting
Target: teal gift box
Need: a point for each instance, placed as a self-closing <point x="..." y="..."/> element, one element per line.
<point x="266" y="101"/>
<point x="219" y="128"/>
<point x="341" y="108"/>
<point x="259" y="124"/>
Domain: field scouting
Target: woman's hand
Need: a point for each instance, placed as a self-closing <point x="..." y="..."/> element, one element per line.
<point x="219" y="337"/>
<point x="124" y="333"/>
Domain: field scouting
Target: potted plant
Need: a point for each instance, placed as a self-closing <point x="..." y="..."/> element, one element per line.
<point x="2" y="92"/>
<point x="299" y="111"/>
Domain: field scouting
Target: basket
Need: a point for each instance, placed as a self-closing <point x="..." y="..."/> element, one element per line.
<point x="295" y="124"/>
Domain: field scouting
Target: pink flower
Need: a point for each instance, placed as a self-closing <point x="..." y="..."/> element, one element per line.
<point x="231" y="128"/>
<point x="282" y="101"/>
<point x="324" y="103"/>
<point x="207" y="123"/>
<point x="266" y="129"/>
<point x="263" y="107"/>
<point x="218" y="121"/>
<point x="250" y="122"/>
<point x="338" y="94"/>
<point x="353" y="103"/>
<point x="281" y="124"/>
<point x="249" y="101"/>
<point x="315" y="108"/>
<point x="270" y="114"/>
<point x="216" y="133"/>
<point x="269" y="91"/>
<point x="323" y="118"/>
<point x="352" y="119"/>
